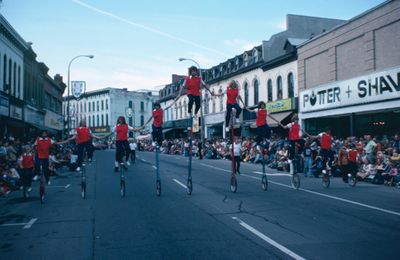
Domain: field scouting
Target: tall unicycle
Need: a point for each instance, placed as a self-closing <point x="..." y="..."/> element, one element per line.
<point x="122" y="170"/>
<point x="194" y="128"/>
<point x="83" y="181"/>
<point x="233" y="176"/>
<point x="42" y="188"/>
<point x="158" y="181"/>
<point x="264" y="179"/>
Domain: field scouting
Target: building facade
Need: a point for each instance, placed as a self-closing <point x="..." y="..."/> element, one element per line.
<point x="24" y="83"/>
<point x="349" y="77"/>
<point x="101" y="108"/>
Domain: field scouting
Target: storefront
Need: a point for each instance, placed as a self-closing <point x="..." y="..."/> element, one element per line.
<point x="369" y="104"/>
<point x="53" y="122"/>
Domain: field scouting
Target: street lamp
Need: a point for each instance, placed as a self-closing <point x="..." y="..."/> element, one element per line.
<point x="201" y="100"/>
<point x="69" y="72"/>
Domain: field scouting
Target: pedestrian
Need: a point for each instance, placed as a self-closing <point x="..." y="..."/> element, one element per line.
<point x="237" y="153"/>
<point x="133" y="147"/>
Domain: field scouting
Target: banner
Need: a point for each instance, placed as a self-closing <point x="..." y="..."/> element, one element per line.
<point x="78" y="88"/>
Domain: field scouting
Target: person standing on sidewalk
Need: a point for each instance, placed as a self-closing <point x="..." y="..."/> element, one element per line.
<point x="133" y="147"/>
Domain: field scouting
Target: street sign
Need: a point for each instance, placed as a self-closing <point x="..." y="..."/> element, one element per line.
<point x="78" y="88"/>
<point x="129" y="112"/>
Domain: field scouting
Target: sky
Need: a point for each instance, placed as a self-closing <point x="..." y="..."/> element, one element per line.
<point x="137" y="44"/>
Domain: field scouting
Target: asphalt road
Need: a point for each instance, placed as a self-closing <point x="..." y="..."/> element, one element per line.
<point x="213" y="223"/>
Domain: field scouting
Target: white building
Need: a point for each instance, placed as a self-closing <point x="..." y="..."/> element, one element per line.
<point x="101" y="108"/>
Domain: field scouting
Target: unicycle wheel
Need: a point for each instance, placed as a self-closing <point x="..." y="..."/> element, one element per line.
<point x="295" y="181"/>
<point x="233" y="184"/>
<point x="158" y="188"/>
<point x="264" y="182"/>
<point x="83" y="190"/>
<point x="326" y="181"/>
<point x="189" y="187"/>
<point x="41" y="195"/>
<point x="352" y="181"/>
<point x="122" y="191"/>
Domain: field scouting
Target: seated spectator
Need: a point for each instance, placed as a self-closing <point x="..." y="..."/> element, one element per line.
<point x="317" y="166"/>
<point x="367" y="170"/>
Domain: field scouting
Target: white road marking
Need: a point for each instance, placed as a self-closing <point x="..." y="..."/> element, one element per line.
<point x="143" y="160"/>
<point x="268" y="240"/>
<point x="55" y="186"/>
<point x="180" y="183"/>
<point x="213" y="167"/>
<point x="273" y="174"/>
<point x="154" y="167"/>
<point x="26" y="225"/>
<point x="30" y="223"/>
<point x="331" y="197"/>
<point x="67" y="186"/>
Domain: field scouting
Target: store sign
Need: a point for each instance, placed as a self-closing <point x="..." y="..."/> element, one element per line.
<point x="4" y="103"/>
<point x="32" y="116"/>
<point x="279" y="105"/>
<point x="98" y="130"/>
<point x="380" y="86"/>
<point x="53" y="120"/>
<point x="16" y="112"/>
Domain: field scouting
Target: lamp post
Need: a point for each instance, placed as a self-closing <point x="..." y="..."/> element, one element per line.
<point x="69" y="72"/>
<point x="201" y="100"/>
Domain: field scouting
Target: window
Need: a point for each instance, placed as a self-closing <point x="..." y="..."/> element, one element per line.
<point x="180" y="110"/>
<point x="246" y="94"/>
<point x="106" y="104"/>
<point x="19" y="82"/>
<point x="93" y="107"/>
<point x="97" y="103"/>
<point x="15" y="79"/>
<point x="213" y="104"/>
<point x="279" y="87"/>
<point x="102" y="105"/>
<point x="81" y="105"/>
<point x="290" y="85"/>
<point x="84" y="107"/>
<point x="5" y="73"/>
<point x="89" y="106"/>
<point x="130" y="103"/>
<point x="141" y="106"/>
<point x="102" y="120"/>
<point x="53" y="103"/>
<point x="221" y="100"/>
<point x="106" y="119"/>
<point x="9" y="76"/>
<point x="93" y="122"/>
<point x="46" y="100"/>
<point x="98" y="120"/>
<point x="142" y="120"/>
<point x="269" y="90"/>
<point x="255" y="92"/>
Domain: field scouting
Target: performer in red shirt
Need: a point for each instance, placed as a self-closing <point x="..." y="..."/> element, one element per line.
<point x="193" y="84"/>
<point x="121" y="137"/>
<point x="157" y="117"/>
<point x="27" y="163"/>
<point x="83" y="139"/>
<point x="43" y="144"/>
<point x="232" y="97"/>
<point x="263" y="130"/>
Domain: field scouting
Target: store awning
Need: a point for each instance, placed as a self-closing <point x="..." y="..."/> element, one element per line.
<point x="279" y="117"/>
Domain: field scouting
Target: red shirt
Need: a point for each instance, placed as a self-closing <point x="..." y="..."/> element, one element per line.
<point x="193" y="86"/>
<point x="326" y="141"/>
<point x="232" y="94"/>
<point x="27" y="161"/>
<point x="261" y="117"/>
<point x="158" y="117"/>
<point x="122" y="132"/>
<point x="82" y="135"/>
<point x="43" y="147"/>
<point x="353" y="155"/>
<point x="294" y="131"/>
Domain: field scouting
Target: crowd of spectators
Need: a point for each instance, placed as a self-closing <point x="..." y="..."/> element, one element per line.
<point x="371" y="159"/>
<point x="376" y="159"/>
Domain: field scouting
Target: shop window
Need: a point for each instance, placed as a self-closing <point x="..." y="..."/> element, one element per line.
<point x="246" y="94"/>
